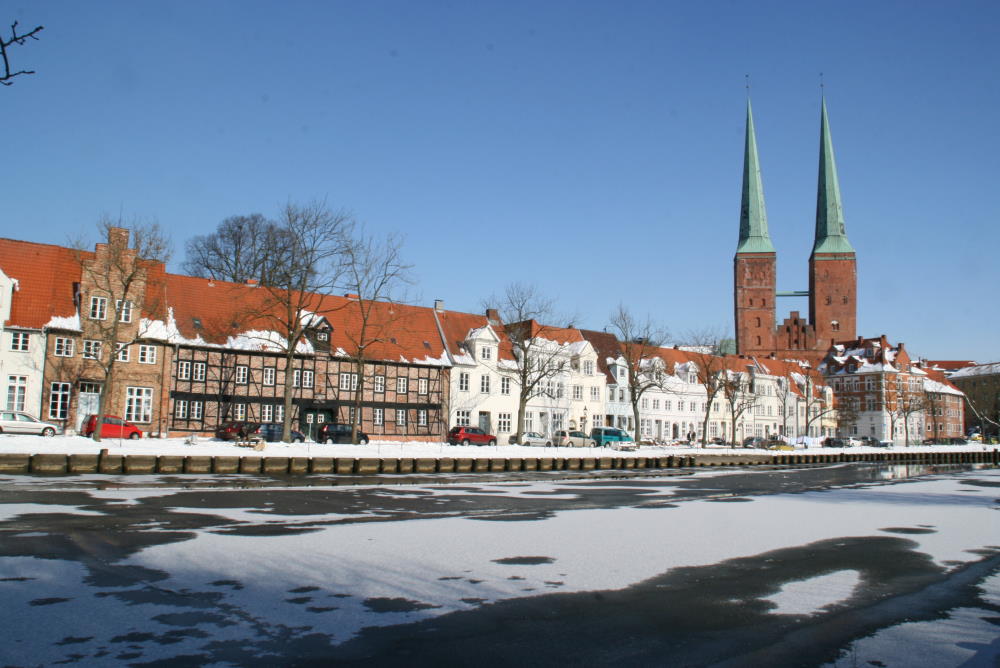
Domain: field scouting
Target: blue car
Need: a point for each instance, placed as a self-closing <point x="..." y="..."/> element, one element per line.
<point x="272" y="432"/>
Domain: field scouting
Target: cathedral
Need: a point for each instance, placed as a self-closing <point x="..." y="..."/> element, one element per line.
<point x="832" y="268"/>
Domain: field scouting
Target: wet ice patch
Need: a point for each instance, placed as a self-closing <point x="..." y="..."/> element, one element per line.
<point x="806" y="597"/>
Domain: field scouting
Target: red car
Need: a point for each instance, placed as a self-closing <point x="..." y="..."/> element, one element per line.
<point x="112" y="427"/>
<point x="473" y="435"/>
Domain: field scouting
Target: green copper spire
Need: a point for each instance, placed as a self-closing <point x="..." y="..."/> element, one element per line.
<point x="831" y="236"/>
<point x="753" y="216"/>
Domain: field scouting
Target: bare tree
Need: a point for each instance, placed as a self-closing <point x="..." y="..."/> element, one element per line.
<point x="639" y="342"/>
<point x="373" y="273"/>
<point x="816" y="406"/>
<point x="242" y="248"/>
<point x="740" y="395"/>
<point x="313" y="241"/>
<point x="783" y="390"/>
<point x="911" y="402"/>
<point x="519" y="313"/>
<point x="15" y="40"/>
<point x="704" y="348"/>
<point x="111" y="315"/>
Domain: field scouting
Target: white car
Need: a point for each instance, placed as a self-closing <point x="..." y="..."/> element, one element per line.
<point x="16" y="422"/>
<point x="532" y="438"/>
<point x="573" y="439"/>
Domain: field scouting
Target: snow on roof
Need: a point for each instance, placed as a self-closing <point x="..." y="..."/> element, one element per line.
<point x="977" y="370"/>
<point x="931" y="385"/>
<point x="71" y="323"/>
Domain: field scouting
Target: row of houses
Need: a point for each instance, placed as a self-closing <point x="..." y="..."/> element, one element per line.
<point x="187" y="353"/>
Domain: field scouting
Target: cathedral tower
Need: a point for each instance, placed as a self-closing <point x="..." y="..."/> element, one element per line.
<point x="832" y="265"/>
<point x="754" y="264"/>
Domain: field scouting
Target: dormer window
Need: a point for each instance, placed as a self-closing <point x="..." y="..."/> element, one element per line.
<point x="322" y="336"/>
<point x="485" y="353"/>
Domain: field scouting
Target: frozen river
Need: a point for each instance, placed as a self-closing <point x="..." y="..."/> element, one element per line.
<point x="838" y="565"/>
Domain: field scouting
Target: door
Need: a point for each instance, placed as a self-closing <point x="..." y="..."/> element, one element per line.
<point x="484" y="422"/>
<point x="87" y="403"/>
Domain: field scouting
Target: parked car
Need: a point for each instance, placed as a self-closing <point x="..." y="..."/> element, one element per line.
<point x="236" y="430"/>
<point x="853" y="442"/>
<point x="470" y="436"/>
<point x="955" y="440"/>
<point x="112" y="427"/>
<point x="272" y="431"/>
<point x="777" y="443"/>
<point x="831" y="442"/>
<point x="16" y="422"/>
<point x="335" y="432"/>
<point x="531" y="438"/>
<point x="574" y="439"/>
<point x="754" y="442"/>
<point x="612" y="436"/>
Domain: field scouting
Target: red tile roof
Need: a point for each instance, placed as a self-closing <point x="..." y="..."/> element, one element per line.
<point x="45" y="276"/>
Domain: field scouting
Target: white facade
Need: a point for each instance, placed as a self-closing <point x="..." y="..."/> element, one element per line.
<point x="22" y="358"/>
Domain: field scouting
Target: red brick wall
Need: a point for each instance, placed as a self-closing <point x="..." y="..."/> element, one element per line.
<point x="833" y="296"/>
<point x="753" y="298"/>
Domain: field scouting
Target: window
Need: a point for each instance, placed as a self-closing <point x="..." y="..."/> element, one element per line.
<point x="307" y="378"/>
<point x="560" y="390"/>
<point x="239" y="411"/>
<point x="503" y="423"/>
<point x="269" y="374"/>
<point x="139" y="404"/>
<point x="279" y="413"/>
<point x="485" y="353"/>
<point x="181" y="409"/>
<point x="124" y="309"/>
<point x="198" y="371"/>
<point x="621" y="394"/>
<point x="588" y="367"/>
<point x="505" y="385"/>
<point x="462" y="418"/>
<point x="348" y="381"/>
<point x="19" y="341"/>
<point x="59" y="401"/>
<point x="463" y="382"/>
<point x="242" y="374"/>
<point x="184" y="370"/>
<point x="400" y="417"/>
<point x="656" y="405"/>
<point x="98" y="308"/>
<point x="196" y="410"/>
<point x="402" y="385"/>
<point x="267" y="413"/>
<point x="380" y="383"/>
<point x="378" y="416"/>
<point x="147" y="354"/>
<point x="557" y="421"/>
<point x="64" y="347"/>
<point x="645" y="403"/>
<point x="578" y="392"/>
<point x="422" y="386"/>
<point x="123" y="352"/>
<point x="422" y="417"/>
<point x="621" y="374"/>
<point x="296" y="377"/>
<point x="529" y="421"/>
<point x="484" y="384"/>
<point x="91" y="349"/>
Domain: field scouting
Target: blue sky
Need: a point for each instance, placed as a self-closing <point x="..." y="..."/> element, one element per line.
<point x="591" y="148"/>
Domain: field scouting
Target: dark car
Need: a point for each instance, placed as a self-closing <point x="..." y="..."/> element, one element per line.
<point x="470" y="435"/>
<point x="112" y="427"/>
<point x="236" y="430"/>
<point x="334" y="432"/>
<point x="273" y="431"/>
<point x="831" y="442"/>
<point x="955" y="440"/>
<point x="754" y="442"/>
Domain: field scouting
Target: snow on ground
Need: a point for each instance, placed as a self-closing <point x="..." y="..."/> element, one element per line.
<point x="213" y="447"/>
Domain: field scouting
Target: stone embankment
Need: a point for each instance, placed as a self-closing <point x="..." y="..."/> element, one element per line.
<point x="61" y="464"/>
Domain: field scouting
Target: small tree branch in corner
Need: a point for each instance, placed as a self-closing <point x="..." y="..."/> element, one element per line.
<point x="15" y="39"/>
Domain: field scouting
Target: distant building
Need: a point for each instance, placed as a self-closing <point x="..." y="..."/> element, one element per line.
<point x="981" y="385"/>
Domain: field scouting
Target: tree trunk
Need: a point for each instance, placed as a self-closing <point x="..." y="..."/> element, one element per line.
<point x="286" y="423"/>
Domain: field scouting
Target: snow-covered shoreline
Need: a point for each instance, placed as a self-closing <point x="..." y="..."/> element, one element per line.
<point x="32" y="445"/>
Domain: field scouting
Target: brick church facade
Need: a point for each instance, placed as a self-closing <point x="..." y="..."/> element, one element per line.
<point x="832" y="269"/>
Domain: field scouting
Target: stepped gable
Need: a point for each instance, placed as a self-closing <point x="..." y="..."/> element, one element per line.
<point x="45" y="275"/>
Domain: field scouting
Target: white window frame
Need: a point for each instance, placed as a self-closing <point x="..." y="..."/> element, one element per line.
<point x="307" y="378"/>
<point x="504" y="423"/>
<point x="484" y="384"/>
<point x="239" y="411"/>
<point x="20" y="341"/>
<point x="180" y="409"/>
<point x="378" y="384"/>
<point x="463" y="418"/>
<point x="98" y="308"/>
<point x="422" y="417"/>
<point x="348" y="381"/>
<point x="139" y="404"/>
<point x="463" y="382"/>
<point x="91" y="349"/>
<point x="505" y="385"/>
<point x="124" y="310"/>
<point x="402" y="385"/>
<point x="122" y="352"/>
<point x="64" y="347"/>
<point x="401" y="417"/>
<point x="147" y="353"/>
<point x="184" y="370"/>
<point x="485" y="353"/>
<point x="296" y="377"/>
<point x="196" y="410"/>
<point x="269" y="374"/>
<point x="267" y="413"/>
<point x="423" y="386"/>
<point x="378" y="416"/>
<point x="198" y="371"/>
<point x="242" y="374"/>
<point x="59" y="400"/>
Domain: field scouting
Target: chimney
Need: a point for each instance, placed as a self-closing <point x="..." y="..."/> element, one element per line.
<point x="353" y="296"/>
<point x="493" y="316"/>
<point x="252" y="282"/>
<point x="438" y="305"/>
